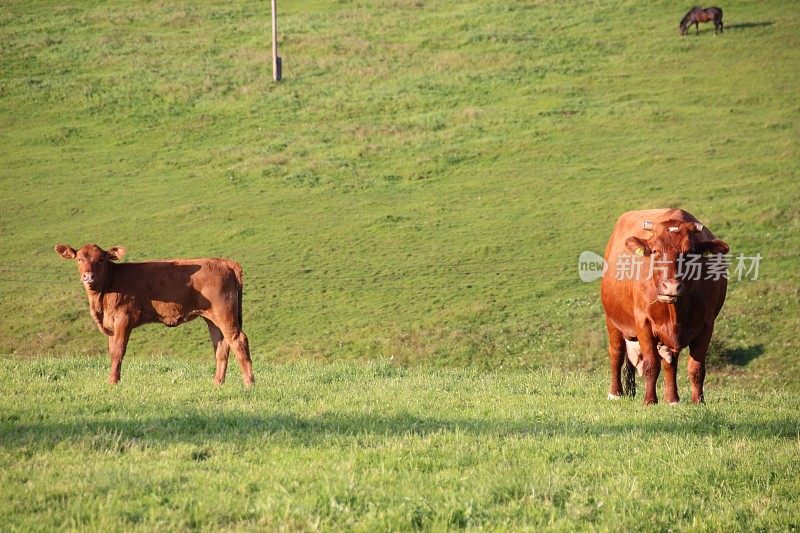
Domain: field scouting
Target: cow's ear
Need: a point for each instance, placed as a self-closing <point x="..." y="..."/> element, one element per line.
<point x="713" y="247"/>
<point x="67" y="252"/>
<point x="116" y="253"/>
<point x="692" y="227"/>
<point x="637" y="246"/>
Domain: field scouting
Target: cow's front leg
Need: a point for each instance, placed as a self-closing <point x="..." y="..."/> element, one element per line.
<point x="651" y="366"/>
<point x="117" y="344"/>
<point x="671" y="378"/>
<point x="697" y="362"/>
<point x="616" y="358"/>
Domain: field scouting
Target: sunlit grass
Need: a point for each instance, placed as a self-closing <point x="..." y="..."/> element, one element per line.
<point x="419" y="186"/>
<point x="411" y="199"/>
<point x="379" y="447"/>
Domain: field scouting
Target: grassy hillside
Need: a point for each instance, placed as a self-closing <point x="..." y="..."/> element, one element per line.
<point x="420" y="185"/>
<point x="379" y="448"/>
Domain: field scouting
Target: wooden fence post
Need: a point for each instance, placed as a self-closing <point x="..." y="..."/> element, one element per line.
<point x="276" y="61"/>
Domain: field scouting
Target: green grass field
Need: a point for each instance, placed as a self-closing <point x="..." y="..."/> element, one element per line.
<point x="377" y="447"/>
<point x="415" y="192"/>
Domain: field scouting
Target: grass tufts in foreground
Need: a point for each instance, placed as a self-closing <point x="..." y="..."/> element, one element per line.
<point x="373" y="446"/>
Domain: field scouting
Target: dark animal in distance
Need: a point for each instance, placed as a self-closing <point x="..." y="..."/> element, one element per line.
<point x="698" y="14"/>
<point x="123" y="296"/>
<point x="651" y="318"/>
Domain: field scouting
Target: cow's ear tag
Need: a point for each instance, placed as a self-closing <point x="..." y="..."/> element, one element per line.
<point x="639" y="251"/>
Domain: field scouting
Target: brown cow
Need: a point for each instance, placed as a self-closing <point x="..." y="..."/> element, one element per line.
<point x="123" y="296"/>
<point x="653" y="317"/>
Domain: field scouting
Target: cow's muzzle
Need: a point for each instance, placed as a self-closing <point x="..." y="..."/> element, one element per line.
<point x="669" y="290"/>
<point x="87" y="278"/>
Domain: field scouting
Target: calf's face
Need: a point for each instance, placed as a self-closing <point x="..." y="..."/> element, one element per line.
<point x="670" y="245"/>
<point x="92" y="262"/>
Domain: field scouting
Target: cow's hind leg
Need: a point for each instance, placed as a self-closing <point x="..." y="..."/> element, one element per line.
<point x="616" y="358"/>
<point x="240" y="345"/>
<point x="221" y="351"/>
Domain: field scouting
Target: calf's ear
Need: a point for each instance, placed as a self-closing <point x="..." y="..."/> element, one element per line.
<point x="637" y="246"/>
<point x="714" y="247"/>
<point x="116" y="253"/>
<point x="65" y="251"/>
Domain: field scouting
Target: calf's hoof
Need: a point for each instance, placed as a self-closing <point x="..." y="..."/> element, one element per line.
<point x="612" y="396"/>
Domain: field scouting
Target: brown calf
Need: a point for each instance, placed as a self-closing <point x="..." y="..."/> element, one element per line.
<point x="123" y="296"/>
<point x="657" y="313"/>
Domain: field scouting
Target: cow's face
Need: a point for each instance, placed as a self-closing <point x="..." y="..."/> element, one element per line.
<point x="92" y="262"/>
<point x="670" y="243"/>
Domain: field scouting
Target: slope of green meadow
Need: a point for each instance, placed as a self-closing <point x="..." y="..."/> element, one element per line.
<point x="419" y="186"/>
<point x="409" y="205"/>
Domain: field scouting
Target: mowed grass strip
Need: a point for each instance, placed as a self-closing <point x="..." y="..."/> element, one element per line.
<point x="377" y="447"/>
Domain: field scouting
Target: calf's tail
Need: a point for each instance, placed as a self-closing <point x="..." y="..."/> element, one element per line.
<point x="237" y="271"/>
<point x="239" y="316"/>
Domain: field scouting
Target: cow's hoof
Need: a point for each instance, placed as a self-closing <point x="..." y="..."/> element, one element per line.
<point x="673" y="403"/>
<point x="614" y="396"/>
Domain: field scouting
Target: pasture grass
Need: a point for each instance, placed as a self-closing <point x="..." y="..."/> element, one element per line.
<point x="414" y="194"/>
<point x="379" y="447"/>
<point x="420" y="185"/>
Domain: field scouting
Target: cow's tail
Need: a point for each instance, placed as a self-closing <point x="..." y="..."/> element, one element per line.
<point x="628" y="378"/>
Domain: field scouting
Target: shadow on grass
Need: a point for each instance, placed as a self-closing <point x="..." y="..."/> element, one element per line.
<point x="737" y="357"/>
<point x="743" y="356"/>
<point x="234" y="427"/>
<point x="735" y="26"/>
<point x="745" y="25"/>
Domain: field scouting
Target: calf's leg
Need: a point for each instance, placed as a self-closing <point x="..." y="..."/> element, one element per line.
<point x="117" y="344"/>
<point x="221" y="351"/>
<point x="240" y="345"/>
